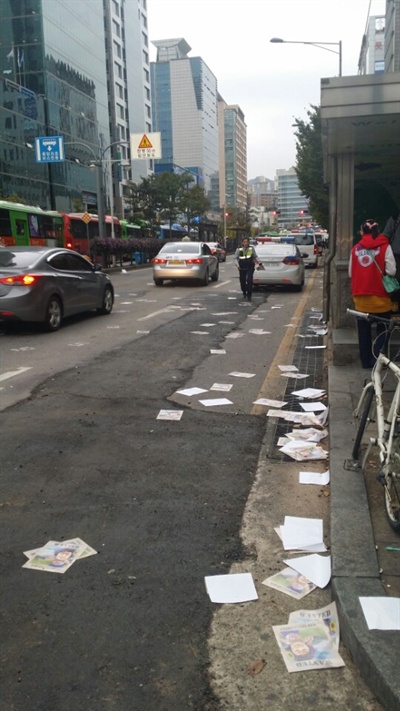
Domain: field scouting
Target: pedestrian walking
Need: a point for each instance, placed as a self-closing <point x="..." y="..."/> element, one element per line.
<point x="246" y="259"/>
<point x="371" y="258"/>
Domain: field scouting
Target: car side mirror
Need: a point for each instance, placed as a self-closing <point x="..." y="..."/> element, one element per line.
<point x="97" y="267"/>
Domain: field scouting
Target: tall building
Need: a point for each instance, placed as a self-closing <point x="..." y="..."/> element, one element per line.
<point x="52" y="82"/>
<point x="128" y="72"/>
<point x="184" y="110"/>
<point x="292" y="205"/>
<point x="392" y="36"/>
<point x="232" y="156"/>
<point x="372" y="55"/>
<point x="261" y="192"/>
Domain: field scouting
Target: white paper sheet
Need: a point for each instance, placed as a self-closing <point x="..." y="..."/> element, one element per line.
<point x="191" y="391"/>
<point x="297" y="376"/>
<point x="235" y="334"/>
<point x="315" y="347"/>
<point x="230" y="323"/>
<point x="310" y="434"/>
<point x="381" y="613"/>
<point x="316" y="568"/>
<point x="170" y="415"/>
<point x="242" y="375"/>
<point x="207" y="325"/>
<point x="231" y="588"/>
<point x="259" y="332"/>
<point x="222" y="387"/>
<point x="298" y="532"/>
<point x="313" y="406"/>
<point x="200" y="333"/>
<point x="269" y="403"/>
<point x="219" y="351"/>
<point x="320" y="478"/>
<point x="216" y="401"/>
<point x="288" y="368"/>
<point x="309" y="393"/>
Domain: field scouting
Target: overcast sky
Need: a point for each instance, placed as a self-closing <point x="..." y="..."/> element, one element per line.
<point x="272" y="83"/>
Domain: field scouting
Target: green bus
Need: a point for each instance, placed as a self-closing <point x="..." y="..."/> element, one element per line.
<point x="26" y="225"/>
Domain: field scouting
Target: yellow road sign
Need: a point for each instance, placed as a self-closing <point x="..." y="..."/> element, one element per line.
<point x="86" y="217"/>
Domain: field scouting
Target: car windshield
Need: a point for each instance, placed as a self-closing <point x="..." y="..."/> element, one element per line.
<point x="304" y="239"/>
<point x="180" y="248"/>
<point x="19" y="260"/>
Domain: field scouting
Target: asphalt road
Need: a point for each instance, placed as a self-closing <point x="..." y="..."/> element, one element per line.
<point x="163" y="502"/>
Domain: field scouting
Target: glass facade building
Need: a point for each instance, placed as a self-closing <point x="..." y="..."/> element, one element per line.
<point x="184" y="110"/>
<point x="291" y="203"/>
<point x="53" y="82"/>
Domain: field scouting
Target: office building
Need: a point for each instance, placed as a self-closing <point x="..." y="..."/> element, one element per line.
<point x="261" y="192"/>
<point x="53" y="82"/>
<point x="392" y="36"/>
<point x="291" y="203"/>
<point x="184" y="110"/>
<point x="232" y="156"/>
<point x="128" y="72"/>
<point x="372" y="55"/>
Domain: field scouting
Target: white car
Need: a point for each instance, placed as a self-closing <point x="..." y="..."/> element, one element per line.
<point x="185" y="260"/>
<point x="282" y="266"/>
<point x="307" y="244"/>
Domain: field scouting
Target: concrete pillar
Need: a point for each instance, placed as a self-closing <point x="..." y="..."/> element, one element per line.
<point x="340" y="283"/>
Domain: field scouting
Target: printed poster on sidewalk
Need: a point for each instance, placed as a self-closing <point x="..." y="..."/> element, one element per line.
<point x="307" y="646"/>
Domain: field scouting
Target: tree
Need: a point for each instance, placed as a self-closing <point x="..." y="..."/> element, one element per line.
<point x="14" y="198"/>
<point x="309" y="165"/>
<point x="193" y="202"/>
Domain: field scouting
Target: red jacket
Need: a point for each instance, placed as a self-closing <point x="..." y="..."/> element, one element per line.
<point x="366" y="279"/>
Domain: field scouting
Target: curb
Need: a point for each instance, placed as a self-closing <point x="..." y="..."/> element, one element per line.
<point x="355" y="569"/>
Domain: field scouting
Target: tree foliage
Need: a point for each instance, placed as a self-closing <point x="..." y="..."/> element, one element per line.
<point x="309" y="165"/>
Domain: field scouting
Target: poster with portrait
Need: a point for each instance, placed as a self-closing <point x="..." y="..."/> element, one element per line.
<point x="289" y="581"/>
<point x="307" y="646"/>
<point x="57" y="556"/>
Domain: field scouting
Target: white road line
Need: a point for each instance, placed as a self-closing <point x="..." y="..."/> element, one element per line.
<point x="155" y="313"/>
<point x="12" y="373"/>
<point x="223" y="283"/>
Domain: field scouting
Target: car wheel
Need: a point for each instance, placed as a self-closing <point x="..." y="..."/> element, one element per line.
<point x="204" y="281"/>
<point x="298" y="287"/>
<point x="215" y="276"/>
<point x="108" y="300"/>
<point x="159" y="282"/>
<point x="54" y="314"/>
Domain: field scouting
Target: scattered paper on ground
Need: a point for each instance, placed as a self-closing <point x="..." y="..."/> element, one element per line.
<point x="259" y="332"/>
<point x="289" y="581"/>
<point x="200" y="333"/>
<point x="316" y="568"/>
<point x="227" y="322"/>
<point x="328" y="615"/>
<point x="143" y="333"/>
<point x="288" y="368"/>
<point x="216" y="401"/>
<point x="307" y="646"/>
<point x="191" y="391"/>
<point x="170" y="415"/>
<point x="57" y="556"/>
<point x="230" y="588"/>
<point x="297" y="376"/>
<point x="219" y="351"/>
<point x="309" y="393"/>
<point x="235" y="334"/>
<point x="269" y="403"/>
<point x="242" y="375"/>
<point x="207" y="325"/>
<point x="313" y="406"/>
<point x="309" y="434"/>
<point x="315" y="347"/>
<point x="320" y="478"/>
<point x="301" y="451"/>
<point x="381" y="613"/>
<point x="223" y="387"/>
<point x="299" y="532"/>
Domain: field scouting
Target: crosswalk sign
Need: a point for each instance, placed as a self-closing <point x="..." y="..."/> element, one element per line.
<point x="145" y="146"/>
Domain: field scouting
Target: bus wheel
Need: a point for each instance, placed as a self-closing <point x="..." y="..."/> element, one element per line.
<point x="54" y="314"/>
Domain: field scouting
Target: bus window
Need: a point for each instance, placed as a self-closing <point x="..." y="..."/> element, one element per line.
<point x="5" y="224"/>
<point x="20" y="225"/>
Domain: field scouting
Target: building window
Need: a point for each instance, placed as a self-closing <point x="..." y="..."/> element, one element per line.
<point x="121" y="113"/>
<point x="116" y="8"/>
<point x="147" y="92"/>
<point x="119" y="91"/>
<point x="116" y="28"/>
<point x="145" y="57"/>
<point x="148" y="111"/>
<point x="117" y="49"/>
<point x="144" y="20"/>
<point x="146" y="76"/>
<point x="145" y="40"/>
<point x="148" y="127"/>
<point x="118" y="70"/>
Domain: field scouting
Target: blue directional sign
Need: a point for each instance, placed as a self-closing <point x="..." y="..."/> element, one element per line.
<point x="49" y="149"/>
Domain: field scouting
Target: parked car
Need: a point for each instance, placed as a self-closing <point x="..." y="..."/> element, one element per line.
<point x="219" y="251"/>
<point x="307" y="244"/>
<point x="44" y="285"/>
<point x="185" y="260"/>
<point x="282" y="266"/>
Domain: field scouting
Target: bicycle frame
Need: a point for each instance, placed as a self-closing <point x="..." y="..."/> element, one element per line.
<point x="386" y="426"/>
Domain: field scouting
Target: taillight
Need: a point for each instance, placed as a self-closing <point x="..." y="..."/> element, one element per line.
<point x="21" y="279"/>
<point x="159" y="261"/>
<point x="194" y="261"/>
<point x="69" y="245"/>
<point x="291" y="260"/>
<point x="315" y="249"/>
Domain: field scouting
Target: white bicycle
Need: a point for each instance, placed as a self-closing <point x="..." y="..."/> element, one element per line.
<point x="371" y="408"/>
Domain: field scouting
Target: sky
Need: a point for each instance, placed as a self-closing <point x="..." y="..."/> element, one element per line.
<point x="273" y="83"/>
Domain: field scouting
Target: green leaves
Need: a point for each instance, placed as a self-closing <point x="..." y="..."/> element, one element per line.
<point x="309" y="165"/>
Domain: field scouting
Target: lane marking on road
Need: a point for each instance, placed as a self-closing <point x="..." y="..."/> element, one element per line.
<point x="13" y="373"/>
<point x="154" y="313"/>
<point x="222" y="283"/>
<point x="283" y="350"/>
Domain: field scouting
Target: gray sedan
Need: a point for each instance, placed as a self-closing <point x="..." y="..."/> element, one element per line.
<point x="282" y="266"/>
<point x="185" y="260"/>
<point x="43" y="285"/>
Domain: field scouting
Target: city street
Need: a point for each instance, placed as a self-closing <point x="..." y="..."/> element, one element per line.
<point x="164" y="503"/>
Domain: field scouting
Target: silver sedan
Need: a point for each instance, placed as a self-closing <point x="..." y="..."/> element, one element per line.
<point x="282" y="266"/>
<point x="43" y="285"/>
<point x="185" y="260"/>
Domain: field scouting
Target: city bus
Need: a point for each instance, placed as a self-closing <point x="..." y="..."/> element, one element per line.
<point x="25" y="225"/>
<point x="128" y="229"/>
<point x="78" y="233"/>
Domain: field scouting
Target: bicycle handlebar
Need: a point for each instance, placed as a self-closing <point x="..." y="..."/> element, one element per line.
<point x="370" y="317"/>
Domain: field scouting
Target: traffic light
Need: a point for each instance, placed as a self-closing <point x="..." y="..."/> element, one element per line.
<point x="301" y="212"/>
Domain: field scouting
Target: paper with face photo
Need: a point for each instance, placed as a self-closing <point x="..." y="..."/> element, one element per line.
<point x="290" y="582"/>
<point x="316" y="568"/>
<point x="55" y="557"/>
<point x="307" y="646"/>
<point x="328" y="615"/>
<point x="86" y="549"/>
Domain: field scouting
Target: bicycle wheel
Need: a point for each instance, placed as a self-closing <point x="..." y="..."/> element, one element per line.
<point x="363" y="418"/>
<point x="391" y="484"/>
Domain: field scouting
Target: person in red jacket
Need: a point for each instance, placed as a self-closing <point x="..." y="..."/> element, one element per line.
<point x="368" y="292"/>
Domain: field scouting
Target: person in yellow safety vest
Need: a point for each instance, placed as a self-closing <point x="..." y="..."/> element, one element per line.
<point x="246" y="259"/>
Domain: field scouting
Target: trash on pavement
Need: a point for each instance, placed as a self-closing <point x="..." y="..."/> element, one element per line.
<point x="191" y="391"/>
<point x="269" y="403"/>
<point x="242" y="375"/>
<point x="219" y="351"/>
<point x="58" y="556"/>
<point x="231" y="588"/>
<point x="316" y="568"/>
<point x="381" y="613"/>
<point x="289" y="581"/>
<point x="288" y="368"/>
<point x="211" y="402"/>
<point x="306" y="646"/>
<point x="327" y="614"/>
<point x="309" y="393"/>
<point x="223" y="387"/>
<point x="320" y="478"/>
<point x="170" y="415"/>
<point x="299" y="532"/>
<point x="255" y="667"/>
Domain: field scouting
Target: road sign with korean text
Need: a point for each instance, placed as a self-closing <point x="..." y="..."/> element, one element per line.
<point x="145" y="146"/>
<point x="49" y="149"/>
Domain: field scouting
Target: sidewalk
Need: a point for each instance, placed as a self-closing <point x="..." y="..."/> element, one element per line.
<point x="355" y="561"/>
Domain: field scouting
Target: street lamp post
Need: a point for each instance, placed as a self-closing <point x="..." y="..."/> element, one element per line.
<point x="321" y="45"/>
